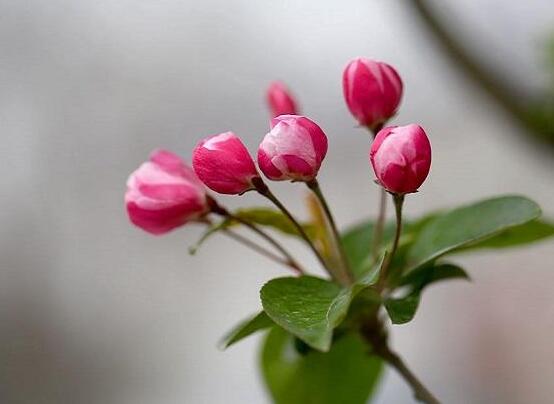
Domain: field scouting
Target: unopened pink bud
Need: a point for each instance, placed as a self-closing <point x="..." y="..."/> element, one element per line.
<point x="164" y="193"/>
<point x="280" y="100"/>
<point x="293" y="149"/>
<point x="223" y="163"/>
<point x="401" y="158"/>
<point x="372" y="91"/>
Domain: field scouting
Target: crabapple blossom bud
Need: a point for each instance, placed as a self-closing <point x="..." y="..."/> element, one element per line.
<point x="372" y="91"/>
<point x="164" y="193"/>
<point x="223" y="163"/>
<point x="280" y="100"/>
<point x="293" y="149"/>
<point x="401" y="158"/>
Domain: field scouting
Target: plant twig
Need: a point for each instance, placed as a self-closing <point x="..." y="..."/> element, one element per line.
<point x="260" y="250"/>
<point x="379" y="225"/>
<point x="398" y="202"/>
<point x="220" y="210"/>
<point x="263" y="189"/>
<point x="345" y="273"/>
<point x="376" y="335"/>
<point x="421" y="393"/>
<point x="499" y="90"/>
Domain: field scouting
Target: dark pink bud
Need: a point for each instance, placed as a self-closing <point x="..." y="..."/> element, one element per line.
<point x="280" y="100"/>
<point x="372" y="91"/>
<point x="223" y="163"/>
<point x="164" y="193"/>
<point x="293" y="149"/>
<point x="401" y="158"/>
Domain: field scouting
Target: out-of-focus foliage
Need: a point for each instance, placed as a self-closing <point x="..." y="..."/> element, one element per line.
<point x="295" y="374"/>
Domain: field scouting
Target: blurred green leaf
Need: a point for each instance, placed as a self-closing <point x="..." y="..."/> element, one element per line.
<point x="272" y="218"/>
<point x="527" y="233"/>
<point x="468" y="225"/>
<point x="261" y="216"/>
<point x="357" y="242"/>
<point x="246" y="328"/>
<point x="345" y="374"/>
<point x="320" y="231"/>
<point x="426" y="275"/>
<point x="402" y="310"/>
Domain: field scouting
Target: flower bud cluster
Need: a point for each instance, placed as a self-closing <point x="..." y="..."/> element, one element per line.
<point x="165" y="193"/>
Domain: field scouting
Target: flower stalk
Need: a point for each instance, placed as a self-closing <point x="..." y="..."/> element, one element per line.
<point x="262" y="251"/>
<point x="398" y="203"/>
<point x="344" y="275"/>
<point x="289" y="260"/>
<point x="264" y="190"/>
<point x="379" y="226"/>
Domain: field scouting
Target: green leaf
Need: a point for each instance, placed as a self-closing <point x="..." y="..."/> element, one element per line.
<point x="370" y="277"/>
<point x="271" y="218"/>
<point x="426" y="275"/>
<point x="246" y="328"/>
<point x="402" y="310"/>
<point x="345" y="374"/>
<point x="357" y="241"/>
<point x="308" y="307"/>
<point x="468" y="225"/>
<point x="516" y="236"/>
<point x="311" y="308"/>
<point x="320" y="234"/>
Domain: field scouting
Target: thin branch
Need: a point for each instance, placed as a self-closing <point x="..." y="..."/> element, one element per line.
<point x="375" y="334"/>
<point x="379" y="226"/>
<point x="259" y="249"/>
<point x="220" y="210"/>
<point x="490" y="82"/>
<point x="263" y="189"/>
<point x="398" y="202"/>
<point x="345" y="273"/>
<point x="421" y="393"/>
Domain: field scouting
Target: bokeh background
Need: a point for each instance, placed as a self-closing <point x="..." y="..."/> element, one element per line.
<point x="93" y="310"/>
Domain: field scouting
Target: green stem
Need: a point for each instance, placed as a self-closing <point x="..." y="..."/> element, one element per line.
<point x="262" y="251"/>
<point x="345" y="273"/>
<point x="289" y="260"/>
<point x="379" y="225"/>
<point x="263" y="189"/>
<point x="398" y="202"/>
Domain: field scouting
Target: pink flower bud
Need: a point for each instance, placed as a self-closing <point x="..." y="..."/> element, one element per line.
<point x="280" y="100"/>
<point x="372" y="91"/>
<point x="293" y="149"/>
<point x="401" y="158"/>
<point x="164" y="193"/>
<point x="223" y="163"/>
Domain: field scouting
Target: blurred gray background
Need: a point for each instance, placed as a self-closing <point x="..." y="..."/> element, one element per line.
<point x="93" y="310"/>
